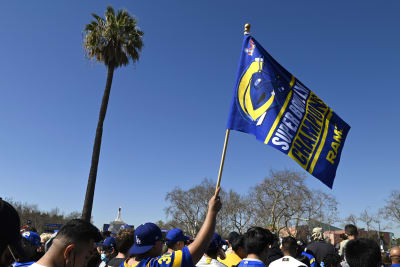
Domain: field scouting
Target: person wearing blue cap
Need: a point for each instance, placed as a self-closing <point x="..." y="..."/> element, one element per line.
<point x="175" y="240"/>
<point x="210" y="257"/>
<point x="31" y="244"/>
<point x="107" y="251"/>
<point x="148" y="243"/>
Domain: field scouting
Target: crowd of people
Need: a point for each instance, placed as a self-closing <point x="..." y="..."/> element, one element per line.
<point x="80" y="244"/>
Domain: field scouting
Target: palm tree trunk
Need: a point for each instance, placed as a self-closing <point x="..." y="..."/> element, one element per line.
<point x="87" y="206"/>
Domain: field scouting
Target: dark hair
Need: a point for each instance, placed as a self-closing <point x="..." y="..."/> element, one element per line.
<point x="343" y="236"/>
<point x="362" y="252"/>
<point x="351" y="229"/>
<point x="124" y="240"/>
<point x="331" y="260"/>
<point x="232" y="236"/>
<point x="212" y="251"/>
<point x="79" y="231"/>
<point x="289" y="244"/>
<point x="257" y="239"/>
<point x="171" y="244"/>
<point x="94" y="259"/>
<point x="237" y="243"/>
<point x="9" y="225"/>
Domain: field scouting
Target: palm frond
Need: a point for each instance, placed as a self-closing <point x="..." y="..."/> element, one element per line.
<point x="115" y="40"/>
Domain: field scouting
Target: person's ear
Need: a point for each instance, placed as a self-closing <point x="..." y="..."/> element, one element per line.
<point x="68" y="250"/>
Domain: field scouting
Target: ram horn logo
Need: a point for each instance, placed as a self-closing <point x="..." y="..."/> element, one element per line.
<point x="257" y="92"/>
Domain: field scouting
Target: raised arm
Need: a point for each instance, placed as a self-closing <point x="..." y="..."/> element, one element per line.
<point x="203" y="238"/>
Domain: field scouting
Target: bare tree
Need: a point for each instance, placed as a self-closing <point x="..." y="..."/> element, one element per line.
<point x="280" y="202"/>
<point x="283" y="201"/>
<point x="367" y="218"/>
<point x="189" y="207"/>
<point x="391" y="210"/>
<point x="238" y="212"/>
<point x="351" y="219"/>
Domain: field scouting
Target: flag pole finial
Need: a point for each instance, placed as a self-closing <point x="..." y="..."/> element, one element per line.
<point x="247" y="29"/>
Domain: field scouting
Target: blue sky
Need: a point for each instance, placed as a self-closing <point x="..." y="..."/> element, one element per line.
<point x="167" y="114"/>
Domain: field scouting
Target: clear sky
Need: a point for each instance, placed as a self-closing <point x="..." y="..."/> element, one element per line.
<point x="167" y="114"/>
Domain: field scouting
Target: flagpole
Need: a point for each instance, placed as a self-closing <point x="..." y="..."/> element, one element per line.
<point x="221" y="166"/>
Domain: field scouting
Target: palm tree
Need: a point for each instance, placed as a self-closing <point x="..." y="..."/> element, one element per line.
<point x="115" y="41"/>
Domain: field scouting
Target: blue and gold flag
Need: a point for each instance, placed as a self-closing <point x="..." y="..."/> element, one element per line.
<point x="270" y="103"/>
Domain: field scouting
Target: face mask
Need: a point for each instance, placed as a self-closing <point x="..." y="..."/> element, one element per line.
<point x="103" y="257"/>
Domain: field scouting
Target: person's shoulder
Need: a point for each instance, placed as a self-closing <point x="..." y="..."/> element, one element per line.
<point x="180" y="258"/>
<point x="37" y="265"/>
<point x="329" y="245"/>
<point x="115" y="262"/>
<point x="231" y="259"/>
<point x="287" y="261"/>
<point x="312" y="244"/>
<point x="217" y="263"/>
<point x="296" y="262"/>
<point x="204" y="261"/>
<point x="275" y="262"/>
<point x="247" y="263"/>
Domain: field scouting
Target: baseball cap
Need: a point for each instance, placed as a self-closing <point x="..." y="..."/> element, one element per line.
<point x="9" y="228"/>
<point x="109" y="242"/>
<point x="175" y="235"/>
<point x="32" y="237"/>
<point x="217" y="241"/>
<point x="145" y="237"/>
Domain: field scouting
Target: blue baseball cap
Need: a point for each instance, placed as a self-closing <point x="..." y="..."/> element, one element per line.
<point x="217" y="241"/>
<point x="175" y="235"/>
<point x="145" y="237"/>
<point x="32" y="237"/>
<point x="109" y="242"/>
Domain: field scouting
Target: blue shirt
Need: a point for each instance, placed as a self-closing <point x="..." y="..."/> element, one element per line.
<point x="395" y="265"/>
<point x="251" y="263"/>
<point x="179" y="258"/>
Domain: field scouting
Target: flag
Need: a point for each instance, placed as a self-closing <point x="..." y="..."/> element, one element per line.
<point x="279" y="110"/>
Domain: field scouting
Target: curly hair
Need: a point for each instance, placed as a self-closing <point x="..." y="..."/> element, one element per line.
<point x="124" y="240"/>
